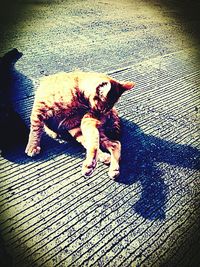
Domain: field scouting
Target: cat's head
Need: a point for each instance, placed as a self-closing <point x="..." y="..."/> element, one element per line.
<point x="108" y="93"/>
<point x="11" y="57"/>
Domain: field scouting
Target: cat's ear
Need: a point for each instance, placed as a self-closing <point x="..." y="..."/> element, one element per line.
<point x="127" y="85"/>
<point x="104" y="88"/>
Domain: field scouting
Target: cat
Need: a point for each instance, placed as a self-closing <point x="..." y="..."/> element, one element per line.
<point x="81" y="104"/>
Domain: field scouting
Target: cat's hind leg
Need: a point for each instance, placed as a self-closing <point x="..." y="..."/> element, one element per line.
<point x="104" y="157"/>
<point x="90" y="140"/>
<point x="77" y="134"/>
<point x="114" y="147"/>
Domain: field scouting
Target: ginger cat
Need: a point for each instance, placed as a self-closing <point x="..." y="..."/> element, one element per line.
<point x="82" y="104"/>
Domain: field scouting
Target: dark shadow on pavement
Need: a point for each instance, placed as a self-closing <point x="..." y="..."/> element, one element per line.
<point x="140" y="155"/>
<point x="13" y="130"/>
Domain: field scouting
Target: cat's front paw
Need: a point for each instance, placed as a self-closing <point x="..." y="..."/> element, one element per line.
<point x="88" y="167"/>
<point x="32" y="150"/>
<point x="104" y="157"/>
<point x="113" y="173"/>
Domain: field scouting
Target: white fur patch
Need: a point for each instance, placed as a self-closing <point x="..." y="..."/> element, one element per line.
<point x="104" y="89"/>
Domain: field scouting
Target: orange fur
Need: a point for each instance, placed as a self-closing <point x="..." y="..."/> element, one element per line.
<point x="80" y="103"/>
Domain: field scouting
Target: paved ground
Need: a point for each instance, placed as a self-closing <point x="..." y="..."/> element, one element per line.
<point x="53" y="216"/>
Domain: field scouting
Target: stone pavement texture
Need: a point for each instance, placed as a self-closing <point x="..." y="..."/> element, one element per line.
<point x="53" y="216"/>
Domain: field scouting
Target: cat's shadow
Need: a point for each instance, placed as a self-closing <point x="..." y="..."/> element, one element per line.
<point x="141" y="154"/>
<point x="14" y="132"/>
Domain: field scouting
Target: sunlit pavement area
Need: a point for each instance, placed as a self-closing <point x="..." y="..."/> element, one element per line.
<point x="53" y="216"/>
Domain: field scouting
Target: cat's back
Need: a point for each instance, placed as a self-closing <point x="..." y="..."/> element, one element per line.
<point x="67" y="83"/>
<point x="56" y="83"/>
